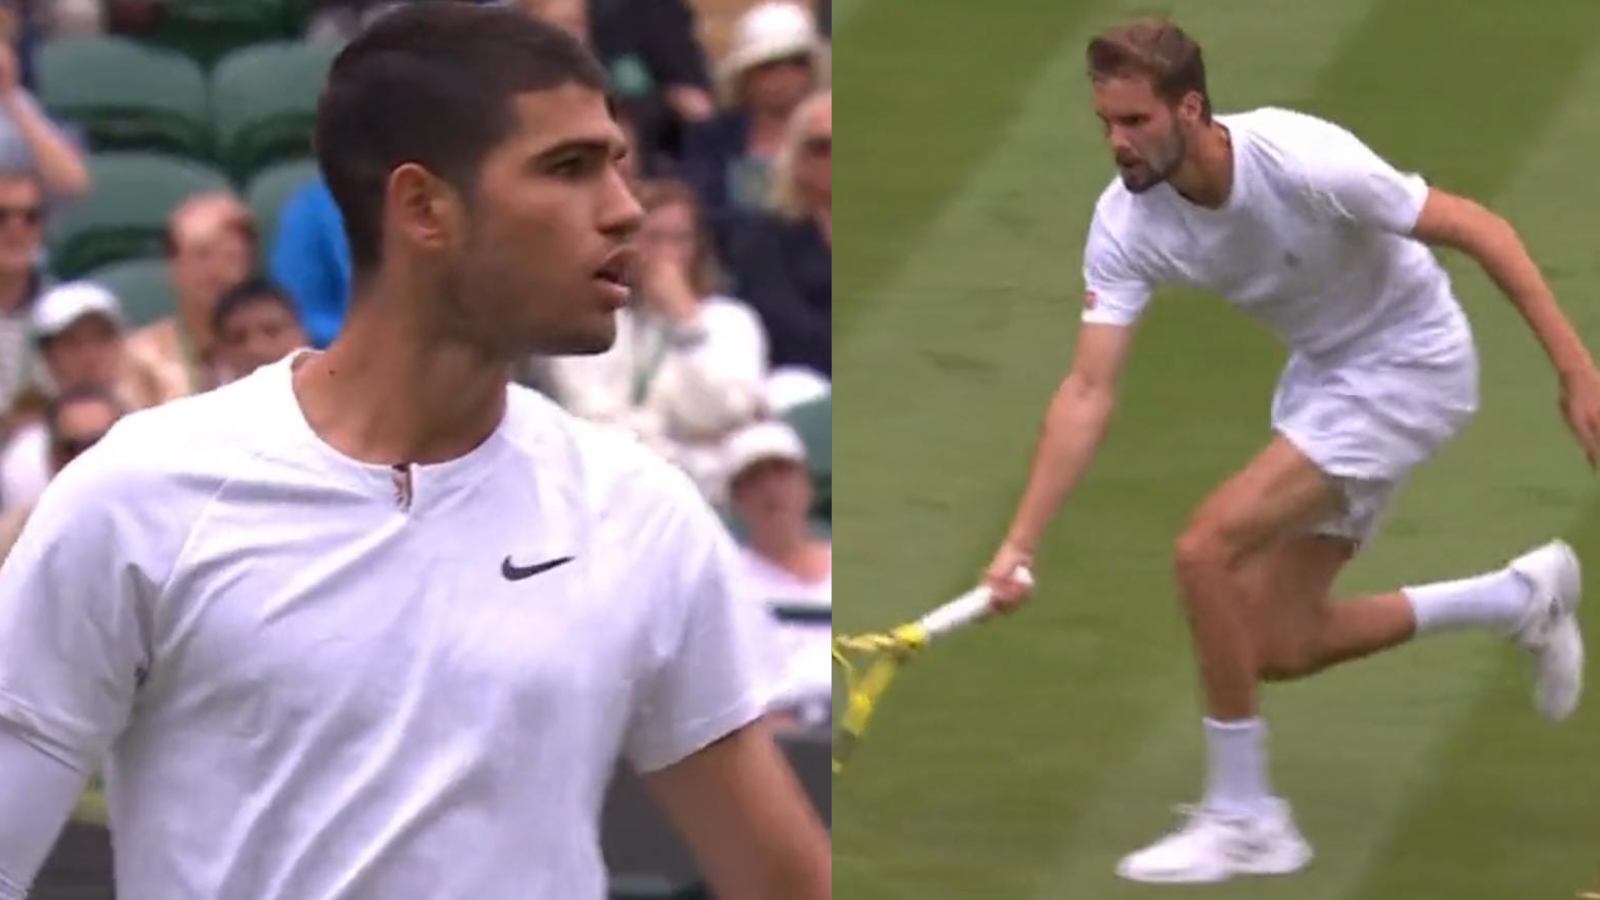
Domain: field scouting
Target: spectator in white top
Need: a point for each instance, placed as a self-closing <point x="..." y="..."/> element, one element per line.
<point x="787" y="567"/>
<point x="689" y="364"/>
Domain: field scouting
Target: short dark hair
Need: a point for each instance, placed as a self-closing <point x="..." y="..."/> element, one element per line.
<point x="253" y="290"/>
<point x="432" y="84"/>
<point x="1153" y="48"/>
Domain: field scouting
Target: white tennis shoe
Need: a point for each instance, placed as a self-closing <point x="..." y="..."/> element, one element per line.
<point x="1549" y="628"/>
<point x="1215" y="846"/>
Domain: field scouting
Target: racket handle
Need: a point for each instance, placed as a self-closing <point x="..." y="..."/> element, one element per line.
<point x="965" y="609"/>
<point x="958" y="613"/>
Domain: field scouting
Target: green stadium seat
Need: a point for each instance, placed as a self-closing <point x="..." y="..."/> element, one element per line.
<point x="124" y="217"/>
<point x="273" y="187"/>
<point x="264" y="104"/>
<point x="143" y="286"/>
<point x="208" y="30"/>
<point x="126" y="96"/>
<point x="813" y="420"/>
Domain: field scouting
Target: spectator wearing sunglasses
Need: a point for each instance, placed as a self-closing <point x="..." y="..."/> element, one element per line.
<point x="77" y="330"/>
<point x="22" y="378"/>
<point x="74" y="421"/>
<point x="783" y="260"/>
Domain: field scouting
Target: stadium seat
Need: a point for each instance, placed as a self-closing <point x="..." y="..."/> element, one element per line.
<point x="270" y="189"/>
<point x="208" y="30"/>
<point x="124" y="217"/>
<point x="143" y="286"/>
<point x="813" y="420"/>
<point x="264" y="104"/>
<point x="126" y="96"/>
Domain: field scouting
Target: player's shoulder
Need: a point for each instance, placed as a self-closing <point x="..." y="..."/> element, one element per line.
<point x="604" y="468"/>
<point x="190" y="436"/>
<point x="1287" y="135"/>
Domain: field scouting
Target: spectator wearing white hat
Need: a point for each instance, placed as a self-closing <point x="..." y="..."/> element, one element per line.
<point x="776" y="59"/>
<point x="78" y="330"/>
<point x="784" y="564"/>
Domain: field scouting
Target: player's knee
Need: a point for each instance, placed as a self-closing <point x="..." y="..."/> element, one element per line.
<point x="1202" y="549"/>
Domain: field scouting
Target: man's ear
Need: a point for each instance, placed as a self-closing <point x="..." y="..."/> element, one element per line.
<point x="1192" y="108"/>
<point x="420" y="206"/>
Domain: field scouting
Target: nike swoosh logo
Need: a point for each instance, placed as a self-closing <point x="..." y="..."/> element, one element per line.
<point x="517" y="573"/>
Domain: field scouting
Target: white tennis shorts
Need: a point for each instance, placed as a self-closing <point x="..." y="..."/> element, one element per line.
<point x="1367" y="422"/>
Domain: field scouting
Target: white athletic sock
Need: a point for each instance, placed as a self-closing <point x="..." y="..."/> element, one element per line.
<point x="1236" y="777"/>
<point x="1497" y="600"/>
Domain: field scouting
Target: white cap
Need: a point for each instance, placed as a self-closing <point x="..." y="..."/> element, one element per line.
<point x="768" y="32"/>
<point x="762" y="441"/>
<point x="59" y="308"/>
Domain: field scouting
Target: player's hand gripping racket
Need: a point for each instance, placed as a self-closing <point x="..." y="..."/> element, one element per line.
<point x="867" y="663"/>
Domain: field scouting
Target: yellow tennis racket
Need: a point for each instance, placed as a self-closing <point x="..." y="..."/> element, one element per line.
<point x="866" y="664"/>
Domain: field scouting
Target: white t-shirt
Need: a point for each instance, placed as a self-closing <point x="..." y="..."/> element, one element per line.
<point x="1312" y="241"/>
<point x="309" y="688"/>
<point x="801" y="655"/>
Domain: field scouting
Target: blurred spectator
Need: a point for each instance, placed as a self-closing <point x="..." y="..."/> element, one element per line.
<point x="783" y="260"/>
<point x="658" y="71"/>
<point x="29" y="141"/>
<point x="21" y="241"/>
<point x="311" y="259"/>
<point x="255" y="324"/>
<point x="688" y="364"/>
<point x="71" y="18"/>
<point x="73" y="422"/>
<point x="211" y="246"/>
<point x="337" y="21"/>
<point x="776" y="60"/>
<point x="78" y="329"/>
<point x="784" y="565"/>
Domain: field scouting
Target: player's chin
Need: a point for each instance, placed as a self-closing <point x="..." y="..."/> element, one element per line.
<point x="585" y="338"/>
<point x="1139" y="179"/>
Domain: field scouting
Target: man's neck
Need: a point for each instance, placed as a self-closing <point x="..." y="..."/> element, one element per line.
<point x="194" y="322"/>
<point x="390" y="391"/>
<point x="766" y="133"/>
<point x="1206" y="176"/>
<point x="14" y="290"/>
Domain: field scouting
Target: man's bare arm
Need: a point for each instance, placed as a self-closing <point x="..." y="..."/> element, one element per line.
<point x="1074" y="425"/>
<point x="1449" y="220"/>
<point x="739" y="807"/>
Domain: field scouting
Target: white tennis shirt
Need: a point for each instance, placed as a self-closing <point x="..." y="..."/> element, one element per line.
<point x="310" y="687"/>
<point x="1313" y="241"/>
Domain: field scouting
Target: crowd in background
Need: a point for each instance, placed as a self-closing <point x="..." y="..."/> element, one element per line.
<point x="727" y="333"/>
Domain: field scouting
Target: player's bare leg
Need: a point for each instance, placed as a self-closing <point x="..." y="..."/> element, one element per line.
<point x="1533" y="600"/>
<point x="1291" y="628"/>
<point x="1239" y="827"/>
<point x="1279" y="493"/>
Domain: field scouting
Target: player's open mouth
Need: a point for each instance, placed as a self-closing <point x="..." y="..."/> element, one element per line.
<point x="613" y="274"/>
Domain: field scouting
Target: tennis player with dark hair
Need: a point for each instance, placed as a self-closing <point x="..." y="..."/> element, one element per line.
<point x="372" y="622"/>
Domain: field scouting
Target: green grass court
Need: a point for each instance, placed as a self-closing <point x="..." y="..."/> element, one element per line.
<point x="1021" y="759"/>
